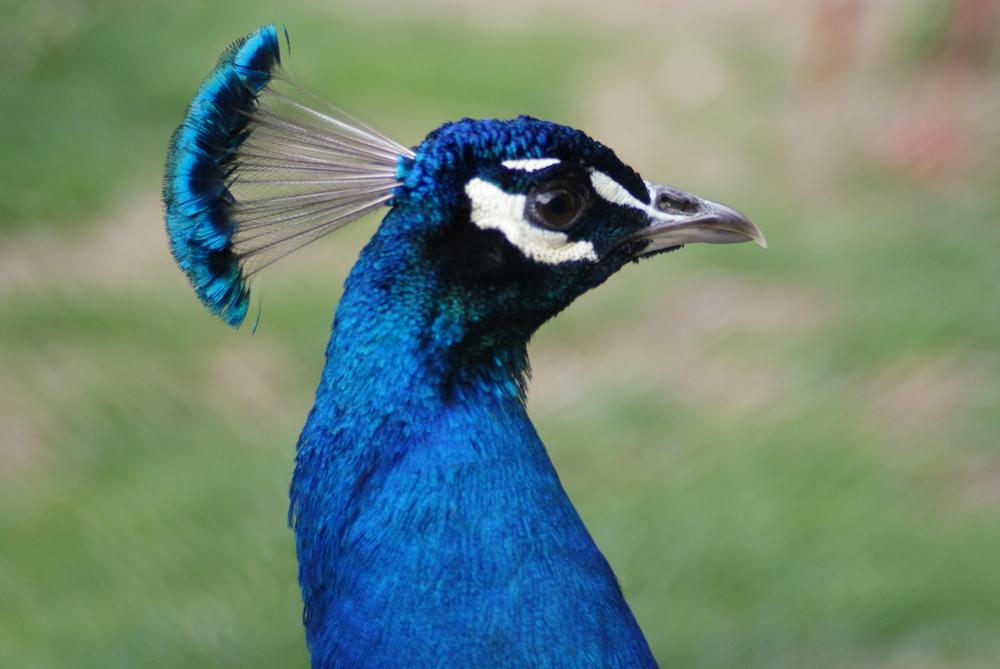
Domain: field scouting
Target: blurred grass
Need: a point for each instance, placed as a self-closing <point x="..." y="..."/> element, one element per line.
<point x="790" y="457"/>
<point x="99" y="84"/>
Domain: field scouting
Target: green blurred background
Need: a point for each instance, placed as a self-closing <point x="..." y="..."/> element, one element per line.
<point x="791" y="457"/>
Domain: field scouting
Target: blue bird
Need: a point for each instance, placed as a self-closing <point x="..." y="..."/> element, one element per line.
<point x="431" y="527"/>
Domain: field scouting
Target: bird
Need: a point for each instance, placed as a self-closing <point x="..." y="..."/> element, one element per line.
<point x="431" y="527"/>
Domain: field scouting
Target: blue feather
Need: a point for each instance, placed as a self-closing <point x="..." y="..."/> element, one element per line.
<point x="432" y="529"/>
<point x="197" y="200"/>
<point x="430" y="525"/>
<point x="254" y="173"/>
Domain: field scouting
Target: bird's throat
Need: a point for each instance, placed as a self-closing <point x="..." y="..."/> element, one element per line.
<point x="429" y="519"/>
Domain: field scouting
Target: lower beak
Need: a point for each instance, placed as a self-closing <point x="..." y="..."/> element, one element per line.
<point x="677" y="218"/>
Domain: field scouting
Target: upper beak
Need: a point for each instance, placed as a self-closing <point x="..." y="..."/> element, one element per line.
<point x="678" y="218"/>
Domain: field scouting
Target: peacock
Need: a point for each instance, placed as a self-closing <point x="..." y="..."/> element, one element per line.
<point x="431" y="528"/>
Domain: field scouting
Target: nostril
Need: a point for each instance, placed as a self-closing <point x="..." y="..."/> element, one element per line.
<point x="670" y="203"/>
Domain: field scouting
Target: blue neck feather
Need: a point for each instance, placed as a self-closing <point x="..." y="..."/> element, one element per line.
<point x="432" y="529"/>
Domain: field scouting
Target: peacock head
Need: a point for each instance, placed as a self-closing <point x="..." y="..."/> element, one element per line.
<point x="505" y="222"/>
<point x="522" y="216"/>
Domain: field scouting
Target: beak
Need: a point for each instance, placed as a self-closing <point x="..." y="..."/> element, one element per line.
<point x="677" y="218"/>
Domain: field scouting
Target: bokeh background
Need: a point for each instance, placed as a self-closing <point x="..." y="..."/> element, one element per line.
<point x="791" y="457"/>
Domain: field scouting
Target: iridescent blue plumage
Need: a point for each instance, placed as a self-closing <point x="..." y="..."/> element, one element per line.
<point x="431" y="527"/>
<point x="201" y="153"/>
<point x="432" y="530"/>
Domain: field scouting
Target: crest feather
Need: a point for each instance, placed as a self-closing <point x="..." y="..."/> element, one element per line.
<point x="259" y="168"/>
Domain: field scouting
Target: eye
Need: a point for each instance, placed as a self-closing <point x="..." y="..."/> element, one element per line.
<point x="555" y="206"/>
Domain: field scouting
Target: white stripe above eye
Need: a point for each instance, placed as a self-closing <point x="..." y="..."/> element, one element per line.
<point x="614" y="192"/>
<point x="495" y="209"/>
<point x="530" y="164"/>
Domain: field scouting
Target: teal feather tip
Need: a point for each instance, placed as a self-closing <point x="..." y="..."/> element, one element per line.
<point x="259" y="168"/>
<point x="202" y="150"/>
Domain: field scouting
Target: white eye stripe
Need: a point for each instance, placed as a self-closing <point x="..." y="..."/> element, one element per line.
<point x="495" y="209"/>
<point x="530" y="164"/>
<point x="615" y="193"/>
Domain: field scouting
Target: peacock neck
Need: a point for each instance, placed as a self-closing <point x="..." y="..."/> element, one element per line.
<point x="431" y="527"/>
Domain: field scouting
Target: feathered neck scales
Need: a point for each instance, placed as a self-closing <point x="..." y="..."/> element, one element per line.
<point x="432" y="530"/>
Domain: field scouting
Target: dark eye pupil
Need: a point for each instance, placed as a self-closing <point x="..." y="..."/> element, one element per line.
<point x="558" y="205"/>
<point x="557" y="208"/>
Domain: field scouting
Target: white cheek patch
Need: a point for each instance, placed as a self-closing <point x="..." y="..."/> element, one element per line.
<point x="530" y="164"/>
<point x="494" y="209"/>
